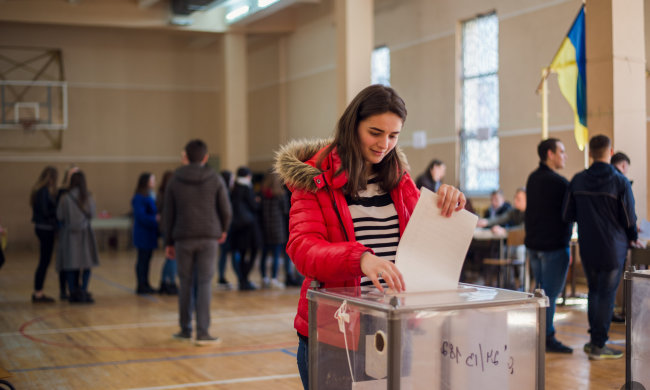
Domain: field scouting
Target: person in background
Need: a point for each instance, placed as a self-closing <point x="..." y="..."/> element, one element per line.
<point x="43" y="202"/>
<point x="65" y="183"/>
<point x="145" y="229"/>
<point x="196" y="215"/>
<point x="77" y="252"/>
<point x="169" y="269"/>
<point x="274" y="209"/>
<point x="498" y="205"/>
<point x="225" y="248"/>
<point x="621" y="162"/>
<point x="601" y="200"/>
<point x="511" y="219"/>
<point x="246" y="237"/>
<point x="351" y="200"/>
<point x="547" y="235"/>
<point x="432" y="177"/>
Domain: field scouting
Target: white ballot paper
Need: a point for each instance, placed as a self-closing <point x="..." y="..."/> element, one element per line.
<point x="432" y="249"/>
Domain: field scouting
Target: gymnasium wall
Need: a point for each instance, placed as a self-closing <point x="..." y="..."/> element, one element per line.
<point x="423" y="37"/>
<point x="137" y="95"/>
<point x="135" y="98"/>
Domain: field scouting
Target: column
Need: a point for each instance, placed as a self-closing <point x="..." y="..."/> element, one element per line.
<point x="355" y="41"/>
<point x="616" y="95"/>
<point x="235" y="102"/>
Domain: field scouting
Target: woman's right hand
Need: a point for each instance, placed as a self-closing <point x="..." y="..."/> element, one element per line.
<point x="375" y="267"/>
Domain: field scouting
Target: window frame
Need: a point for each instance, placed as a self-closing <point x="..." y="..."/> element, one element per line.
<point x="476" y="134"/>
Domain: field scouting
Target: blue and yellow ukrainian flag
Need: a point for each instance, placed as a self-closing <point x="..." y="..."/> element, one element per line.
<point x="570" y="65"/>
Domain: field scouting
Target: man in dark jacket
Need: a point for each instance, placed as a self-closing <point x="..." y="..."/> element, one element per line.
<point x="197" y="214"/>
<point x="547" y="235"/>
<point x="600" y="199"/>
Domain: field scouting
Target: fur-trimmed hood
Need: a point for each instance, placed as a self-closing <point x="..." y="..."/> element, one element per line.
<point x="292" y="163"/>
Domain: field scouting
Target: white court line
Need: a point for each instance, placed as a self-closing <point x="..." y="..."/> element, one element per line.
<point x="216" y="319"/>
<point x="221" y="382"/>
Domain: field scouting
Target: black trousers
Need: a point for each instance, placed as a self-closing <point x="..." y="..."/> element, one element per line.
<point x="142" y="267"/>
<point x="46" y="239"/>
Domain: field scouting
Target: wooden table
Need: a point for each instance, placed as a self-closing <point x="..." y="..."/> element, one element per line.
<point x="485" y="236"/>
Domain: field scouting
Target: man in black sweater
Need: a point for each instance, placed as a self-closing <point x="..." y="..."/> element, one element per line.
<point x="197" y="214"/>
<point x="600" y="199"/>
<point x="547" y="235"/>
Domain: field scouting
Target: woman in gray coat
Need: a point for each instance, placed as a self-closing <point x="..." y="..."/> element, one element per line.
<point x="77" y="246"/>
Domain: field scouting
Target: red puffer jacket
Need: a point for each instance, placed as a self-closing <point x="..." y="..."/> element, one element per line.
<point x="321" y="245"/>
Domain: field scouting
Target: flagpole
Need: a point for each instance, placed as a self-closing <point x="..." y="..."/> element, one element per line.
<point x="545" y="72"/>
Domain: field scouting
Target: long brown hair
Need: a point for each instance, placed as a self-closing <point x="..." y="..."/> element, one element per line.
<point x="47" y="178"/>
<point x="373" y="100"/>
<point x="142" y="187"/>
<point x="163" y="182"/>
<point x="78" y="180"/>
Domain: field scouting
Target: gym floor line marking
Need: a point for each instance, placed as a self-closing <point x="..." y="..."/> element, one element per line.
<point x="288" y="315"/>
<point x="220" y="382"/>
<point x="291" y="353"/>
<point x="150" y="360"/>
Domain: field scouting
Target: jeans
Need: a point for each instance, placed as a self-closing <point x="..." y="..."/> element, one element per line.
<point x="549" y="269"/>
<point x="196" y="266"/>
<point x="73" y="280"/>
<point x="600" y="306"/>
<point x="224" y="249"/>
<point x="275" y="252"/>
<point x="169" y="271"/>
<point x="142" y="267"/>
<point x="46" y="240"/>
<point x="303" y="362"/>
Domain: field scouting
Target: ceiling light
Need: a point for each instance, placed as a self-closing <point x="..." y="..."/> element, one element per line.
<point x="237" y="12"/>
<point x="265" y="3"/>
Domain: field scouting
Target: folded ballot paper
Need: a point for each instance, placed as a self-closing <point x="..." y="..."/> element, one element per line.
<point x="432" y="249"/>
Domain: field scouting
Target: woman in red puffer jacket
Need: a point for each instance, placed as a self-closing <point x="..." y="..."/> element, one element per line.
<point x="359" y="178"/>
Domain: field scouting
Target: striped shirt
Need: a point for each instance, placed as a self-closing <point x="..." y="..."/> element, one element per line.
<point x="375" y="223"/>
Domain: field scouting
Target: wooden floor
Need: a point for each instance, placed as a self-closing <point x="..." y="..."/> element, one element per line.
<point x="124" y="341"/>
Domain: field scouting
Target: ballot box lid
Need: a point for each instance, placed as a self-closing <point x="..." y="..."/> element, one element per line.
<point x="465" y="296"/>
<point x="644" y="273"/>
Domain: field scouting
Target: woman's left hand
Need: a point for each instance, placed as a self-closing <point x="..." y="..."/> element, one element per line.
<point x="450" y="199"/>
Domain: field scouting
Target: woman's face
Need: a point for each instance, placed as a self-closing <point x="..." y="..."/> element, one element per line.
<point x="378" y="136"/>
<point x="152" y="182"/>
<point x="438" y="172"/>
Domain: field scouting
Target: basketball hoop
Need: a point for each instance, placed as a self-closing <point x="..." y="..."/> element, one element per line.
<point x="28" y="125"/>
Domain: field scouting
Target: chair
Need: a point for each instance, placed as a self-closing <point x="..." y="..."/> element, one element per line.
<point x="507" y="259"/>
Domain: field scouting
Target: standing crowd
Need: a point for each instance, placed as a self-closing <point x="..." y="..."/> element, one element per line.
<point x="174" y="212"/>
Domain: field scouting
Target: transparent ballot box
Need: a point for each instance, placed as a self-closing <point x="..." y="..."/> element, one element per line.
<point x="471" y="338"/>
<point x="637" y="318"/>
